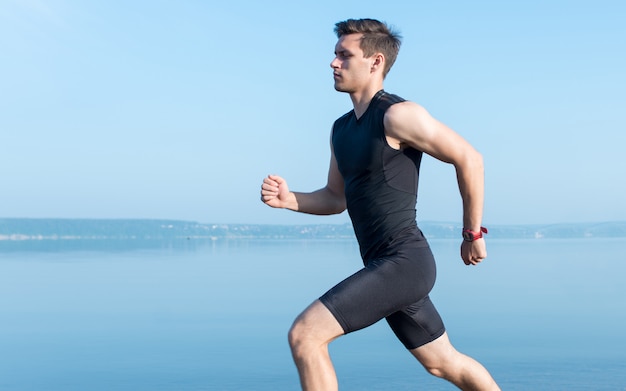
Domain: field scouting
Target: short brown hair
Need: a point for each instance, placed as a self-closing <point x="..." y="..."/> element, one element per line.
<point x="377" y="37"/>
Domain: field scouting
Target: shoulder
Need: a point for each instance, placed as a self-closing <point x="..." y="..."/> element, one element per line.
<point x="344" y="117"/>
<point x="405" y="113"/>
<point x="341" y="122"/>
<point x="389" y="99"/>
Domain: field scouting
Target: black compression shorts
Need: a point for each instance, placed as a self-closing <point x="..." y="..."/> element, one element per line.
<point x="394" y="286"/>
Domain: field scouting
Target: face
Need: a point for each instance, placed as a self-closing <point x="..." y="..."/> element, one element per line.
<point x="351" y="69"/>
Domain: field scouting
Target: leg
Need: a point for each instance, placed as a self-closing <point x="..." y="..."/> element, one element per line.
<point x="355" y="303"/>
<point x="441" y="359"/>
<point x="309" y="337"/>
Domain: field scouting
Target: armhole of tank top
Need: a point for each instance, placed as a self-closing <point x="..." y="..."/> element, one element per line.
<point x="384" y="135"/>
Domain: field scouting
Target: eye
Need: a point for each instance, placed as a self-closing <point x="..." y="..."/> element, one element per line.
<point x="344" y="55"/>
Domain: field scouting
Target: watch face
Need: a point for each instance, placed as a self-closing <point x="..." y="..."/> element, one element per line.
<point x="468" y="236"/>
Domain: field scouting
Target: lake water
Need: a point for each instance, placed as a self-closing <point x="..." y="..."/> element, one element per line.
<point x="213" y="315"/>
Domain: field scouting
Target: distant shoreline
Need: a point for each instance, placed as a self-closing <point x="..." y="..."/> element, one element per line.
<point x="29" y="229"/>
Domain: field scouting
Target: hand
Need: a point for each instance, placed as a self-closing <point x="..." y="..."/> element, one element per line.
<point x="474" y="252"/>
<point x="275" y="192"/>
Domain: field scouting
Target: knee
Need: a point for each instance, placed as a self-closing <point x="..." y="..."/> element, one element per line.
<point x="442" y="366"/>
<point x="436" y="369"/>
<point x="298" y="338"/>
<point x="312" y="331"/>
<point x="305" y="339"/>
<point x="446" y="367"/>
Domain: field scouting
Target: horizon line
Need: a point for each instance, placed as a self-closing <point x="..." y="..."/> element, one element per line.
<point x="287" y="224"/>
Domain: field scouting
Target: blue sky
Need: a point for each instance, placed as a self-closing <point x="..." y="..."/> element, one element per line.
<point x="161" y="109"/>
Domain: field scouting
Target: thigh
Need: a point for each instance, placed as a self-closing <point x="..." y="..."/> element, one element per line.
<point x="383" y="287"/>
<point x="417" y="324"/>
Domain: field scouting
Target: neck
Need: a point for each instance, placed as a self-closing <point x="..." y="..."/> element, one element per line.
<point x="362" y="99"/>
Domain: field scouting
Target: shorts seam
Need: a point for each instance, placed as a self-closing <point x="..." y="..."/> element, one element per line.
<point x="337" y="314"/>
<point x="431" y="339"/>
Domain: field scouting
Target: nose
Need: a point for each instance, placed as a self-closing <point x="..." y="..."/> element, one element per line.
<point x="334" y="63"/>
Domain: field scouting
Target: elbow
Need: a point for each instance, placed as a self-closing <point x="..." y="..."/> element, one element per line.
<point x="337" y="206"/>
<point x="338" y="203"/>
<point x="473" y="161"/>
<point x="341" y="206"/>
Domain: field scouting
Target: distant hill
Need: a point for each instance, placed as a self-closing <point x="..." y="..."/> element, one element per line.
<point x="16" y="229"/>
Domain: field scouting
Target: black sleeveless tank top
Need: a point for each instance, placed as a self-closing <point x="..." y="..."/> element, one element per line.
<point x="380" y="181"/>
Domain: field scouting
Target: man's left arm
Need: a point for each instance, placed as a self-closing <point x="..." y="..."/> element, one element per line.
<point x="411" y="125"/>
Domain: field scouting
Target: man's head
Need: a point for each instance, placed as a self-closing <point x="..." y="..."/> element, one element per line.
<point x="377" y="37"/>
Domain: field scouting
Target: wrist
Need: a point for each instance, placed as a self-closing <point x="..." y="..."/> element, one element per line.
<point x="471" y="235"/>
<point x="291" y="202"/>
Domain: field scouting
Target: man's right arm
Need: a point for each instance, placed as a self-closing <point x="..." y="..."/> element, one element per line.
<point x="325" y="201"/>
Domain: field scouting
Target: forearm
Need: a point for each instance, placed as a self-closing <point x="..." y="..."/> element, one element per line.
<point x="471" y="178"/>
<point x="320" y="202"/>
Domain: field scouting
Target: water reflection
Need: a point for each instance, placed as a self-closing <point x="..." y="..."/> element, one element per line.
<point x="193" y="315"/>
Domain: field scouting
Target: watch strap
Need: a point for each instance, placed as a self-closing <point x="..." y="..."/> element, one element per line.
<point x="470" y="236"/>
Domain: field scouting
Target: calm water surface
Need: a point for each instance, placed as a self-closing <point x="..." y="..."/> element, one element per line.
<point x="540" y="314"/>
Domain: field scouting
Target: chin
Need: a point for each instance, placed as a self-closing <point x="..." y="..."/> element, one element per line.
<point x="339" y="88"/>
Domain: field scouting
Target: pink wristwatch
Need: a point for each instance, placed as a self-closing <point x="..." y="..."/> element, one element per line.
<point x="470" y="236"/>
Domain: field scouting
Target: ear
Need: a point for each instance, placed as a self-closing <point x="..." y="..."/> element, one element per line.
<point x="378" y="62"/>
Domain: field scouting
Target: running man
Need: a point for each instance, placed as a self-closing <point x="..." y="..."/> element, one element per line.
<point x="376" y="150"/>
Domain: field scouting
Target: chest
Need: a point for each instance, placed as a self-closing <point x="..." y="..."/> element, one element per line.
<point x="358" y="146"/>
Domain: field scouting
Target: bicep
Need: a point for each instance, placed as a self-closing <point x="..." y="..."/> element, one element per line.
<point x="412" y="125"/>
